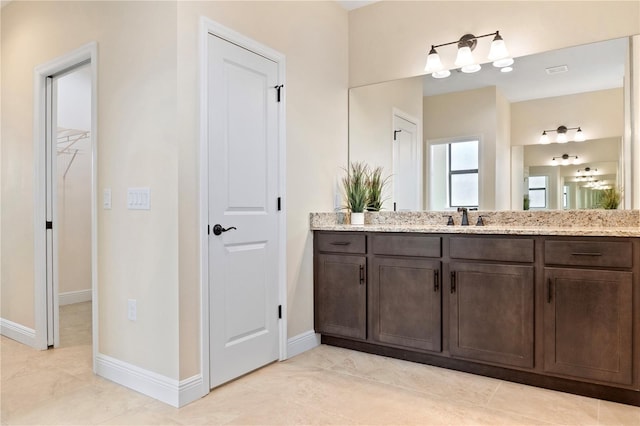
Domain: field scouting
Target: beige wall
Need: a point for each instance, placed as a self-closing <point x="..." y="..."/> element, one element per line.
<point x="136" y="147"/>
<point x="390" y="39"/>
<point x="148" y="136"/>
<point x="313" y="36"/>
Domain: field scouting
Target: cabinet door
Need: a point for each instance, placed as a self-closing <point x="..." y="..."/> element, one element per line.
<point x="491" y="313"/>
<point x="588" y="324"/>
<point x="341" y="295"/>
<point x="405" y="303"/>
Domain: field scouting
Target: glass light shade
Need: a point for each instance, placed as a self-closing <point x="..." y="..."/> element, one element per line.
<point x="565" y="161"/>
<point x="554" y="162"/>
<point x="471" y="68"/>
<point x="544" y="139"/>
<point x="433" y="61"/>
<point x="441" y="74"/>
<point x="503" y="62"/>
<point x="506" y="69"/>
<point x="464" y="57"/>
<point x="561" y="138"/>
<point x="579" y="136"/>
<point x="575" y="160"/>
<point x="498" y="49"/>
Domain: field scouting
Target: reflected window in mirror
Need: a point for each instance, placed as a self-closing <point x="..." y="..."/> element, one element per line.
<point x="538" y="192"/>
<point x="454" y="179"/>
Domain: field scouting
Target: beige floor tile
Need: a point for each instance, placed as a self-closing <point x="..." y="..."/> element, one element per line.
<point x="545" y="405"/>
<point x="611" y="413"/>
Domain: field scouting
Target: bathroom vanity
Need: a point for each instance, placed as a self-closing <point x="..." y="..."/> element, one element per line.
<point x="547" y="306"/>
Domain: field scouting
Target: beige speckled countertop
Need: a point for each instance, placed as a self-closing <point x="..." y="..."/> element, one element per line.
<point x="617" y="223"/>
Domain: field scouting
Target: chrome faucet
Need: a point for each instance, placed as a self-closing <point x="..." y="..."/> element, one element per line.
<point x="465" y="217"/>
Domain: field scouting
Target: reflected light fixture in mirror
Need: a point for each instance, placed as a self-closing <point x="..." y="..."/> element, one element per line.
<point x="565" y="160"/>
<point x="561" y="136"/>
<point x="498" y="54"/>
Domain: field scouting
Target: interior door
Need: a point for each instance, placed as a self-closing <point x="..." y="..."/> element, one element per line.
<point x="243" y="184"/>
<point x="406" y="165"/>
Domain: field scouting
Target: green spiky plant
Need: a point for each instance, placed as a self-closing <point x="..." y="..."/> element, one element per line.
<point x="609" y="199"/>
<point x="356" y="189"/>
<point x="376" y="184"/>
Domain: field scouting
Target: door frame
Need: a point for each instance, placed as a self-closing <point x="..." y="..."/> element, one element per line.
<point x="210" y="27"/>
<point x="79" y="56"/>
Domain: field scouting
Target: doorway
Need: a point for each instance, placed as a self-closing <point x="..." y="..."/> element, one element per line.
<point x="65" y="213"/>
<point x="407" y="163"/>
<point x="242" y="205"/>
<point x="72" y="103"/>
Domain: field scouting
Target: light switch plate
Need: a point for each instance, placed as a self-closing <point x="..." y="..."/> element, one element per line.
<point x="106" y="199"/>
<point x="139" y="199"/>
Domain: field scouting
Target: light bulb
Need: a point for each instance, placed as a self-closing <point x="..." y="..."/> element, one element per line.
<point x="441" y="74"/>
<point x="433" y="61"/>
<point x="464" y="57"/>
<point x="498" y="49"/>
<point x="544" y="139"/>
<point x="503" y="62"/>
<point x="561" y="138"/>
<point x="579" y="136"/>
<point x="471" y="68"/>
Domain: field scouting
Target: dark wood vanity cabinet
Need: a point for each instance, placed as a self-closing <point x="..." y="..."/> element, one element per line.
<point x="341" y="291"/>
<point x="588" y="313"/>
<point x="491" y="313"/>
<point x="557" y="312"/>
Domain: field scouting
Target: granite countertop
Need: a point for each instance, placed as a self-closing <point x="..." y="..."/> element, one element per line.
<point x="616" y="223"/>
<point x="489" y="230"/>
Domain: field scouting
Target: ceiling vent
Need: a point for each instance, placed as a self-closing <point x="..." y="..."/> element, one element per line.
<point x="557" y="70"/>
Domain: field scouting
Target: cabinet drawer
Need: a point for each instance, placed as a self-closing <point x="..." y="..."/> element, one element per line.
<point x="613" y="254"/>
<point x="490" y="248"/>
<point x="340" y="242"/>
<point x="406" y="245"/>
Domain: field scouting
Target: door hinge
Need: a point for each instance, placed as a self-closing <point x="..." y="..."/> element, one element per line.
<point x="279" y="203"/>
<point x="279" y="311"/>
<point x="278" y="88"/>
<point x="49" y="225"/>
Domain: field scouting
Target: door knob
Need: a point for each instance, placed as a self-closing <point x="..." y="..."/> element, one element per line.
<point x="218" y="229"/>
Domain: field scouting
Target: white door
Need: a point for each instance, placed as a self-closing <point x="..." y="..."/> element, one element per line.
<point x="243" y="202"/>
<point x="406" y="165"/>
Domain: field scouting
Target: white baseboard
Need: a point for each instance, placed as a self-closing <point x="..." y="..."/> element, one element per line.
<point x="170" y="391"/>
<point x="18" y="332"/>
<point x="70" y="297"/>
<point x="302" y="343"/>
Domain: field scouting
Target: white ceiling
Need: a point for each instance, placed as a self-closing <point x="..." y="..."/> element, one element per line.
<point x="595" y="66"/>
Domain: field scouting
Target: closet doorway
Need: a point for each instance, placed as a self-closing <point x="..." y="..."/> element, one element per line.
<point x="65" y="213"/>
<point x="72" y="192"/>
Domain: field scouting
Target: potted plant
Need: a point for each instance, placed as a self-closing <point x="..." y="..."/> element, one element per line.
<point x="609" y="198"/>
<point x="376" y="184"/>
<point x="356" y="191"/>
<point x="525" y="202"/>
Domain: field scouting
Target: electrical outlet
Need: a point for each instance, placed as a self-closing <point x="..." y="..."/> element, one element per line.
<point x="132" y="310"/>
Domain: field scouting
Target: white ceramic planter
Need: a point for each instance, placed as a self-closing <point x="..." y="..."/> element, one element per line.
<point x="357" y="219"/>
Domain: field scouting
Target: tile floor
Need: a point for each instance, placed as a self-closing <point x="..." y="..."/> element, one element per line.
<point x="326" y="385"/>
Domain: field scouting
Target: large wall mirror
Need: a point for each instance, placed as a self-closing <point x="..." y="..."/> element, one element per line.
<point x="473" y="140"/>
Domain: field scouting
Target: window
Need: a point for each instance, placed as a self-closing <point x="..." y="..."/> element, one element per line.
<point x="463" y="174"/>
<point x="538" y="192"/>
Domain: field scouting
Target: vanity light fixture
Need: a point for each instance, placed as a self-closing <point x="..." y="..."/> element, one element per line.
<point x="565" y="160"/>
<point x="498" y="54"/>
<point x="561" y="136"/>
